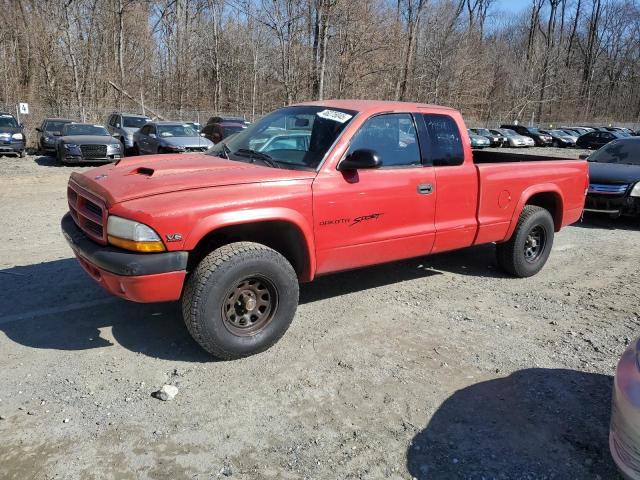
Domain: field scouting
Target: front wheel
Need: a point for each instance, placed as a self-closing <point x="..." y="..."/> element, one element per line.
<point x="528" y="249"/>
<point x="240" y="300"/>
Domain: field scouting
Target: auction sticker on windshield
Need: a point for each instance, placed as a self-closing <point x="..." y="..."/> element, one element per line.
<point x="334" y="115"/>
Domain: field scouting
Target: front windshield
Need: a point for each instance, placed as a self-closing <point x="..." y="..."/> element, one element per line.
<point x="292" y="137"/>
<point x="7" y="121"/>
<point x="626" y="151"/>
<point x="183" y="130"/>
<point x="509" y="133"/>
<point x="558" y="133"/>
<point x="534" y="130"/>
<point x="84" y="129"/>
<point x="483" y="131"/>
<point x="134" y="122"/>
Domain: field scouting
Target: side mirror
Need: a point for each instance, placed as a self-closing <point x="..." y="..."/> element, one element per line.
<point x="203" y="134"/>
<point x="117" y="125"/>
<point x="115" y="134"/>
<point x="38" y="129"/>
<point x="359" y="160"/>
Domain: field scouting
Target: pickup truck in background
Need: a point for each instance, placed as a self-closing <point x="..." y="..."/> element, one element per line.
<point x="231" y="233"/>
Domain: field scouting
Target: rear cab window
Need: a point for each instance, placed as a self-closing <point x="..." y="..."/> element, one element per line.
<point x="443" y="140"/>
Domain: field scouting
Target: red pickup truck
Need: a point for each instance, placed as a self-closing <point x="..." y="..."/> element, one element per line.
<point x="308" y="190"/>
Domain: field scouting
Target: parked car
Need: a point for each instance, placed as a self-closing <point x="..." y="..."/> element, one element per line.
<point x="169" y="137"/>
<point x="48" y="132"/>
<point x="614" y="176"/>
<point x="195" y="125"/>
<point x="218" y="131"/>
<point x="233" y="119"/>
<point x="596" y="139"/>
<point x="503" y="139"/>
<point x="577" y="131"/>
<point x="540" y="139"/>
<point x="288" y="141"/>
<point x="496" y="139"/>
<point x="560" y="138"/>
<point x="123" y="125"/>
<point x="12" y="139"/>
<point x="84" y="142"/>
<point x="234" y="231"/>
<point x="478" y="141"/>
<point x="624" y="430"/>
<point x="514" y="139"/>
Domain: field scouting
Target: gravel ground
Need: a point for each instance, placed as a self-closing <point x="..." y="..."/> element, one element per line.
<point x="439" y="367"/>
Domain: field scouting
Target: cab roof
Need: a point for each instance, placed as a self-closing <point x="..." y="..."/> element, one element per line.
<point x="373" y="106"/>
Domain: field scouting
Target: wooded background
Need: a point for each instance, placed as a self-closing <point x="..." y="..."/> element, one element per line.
<point x="557" y="60"/>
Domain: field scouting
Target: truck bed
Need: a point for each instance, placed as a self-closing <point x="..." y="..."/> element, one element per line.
<point x="481" y="156"/>
<point x="504" y="183"/>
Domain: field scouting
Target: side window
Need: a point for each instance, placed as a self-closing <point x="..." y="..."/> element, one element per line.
<point x="392" y="136"/>
<point x="112" y="120"/>
<point x="144" y="130"/>
<point x="445" y="145"/>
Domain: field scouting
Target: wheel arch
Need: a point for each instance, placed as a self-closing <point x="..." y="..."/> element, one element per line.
<point x="287" y="233"/>
<point x="547" y="196"/>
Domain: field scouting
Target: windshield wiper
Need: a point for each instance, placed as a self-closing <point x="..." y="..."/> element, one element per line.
<point x="259" y="155"/>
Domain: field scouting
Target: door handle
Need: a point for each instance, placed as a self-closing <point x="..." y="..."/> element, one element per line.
<point x="425" y="188"/>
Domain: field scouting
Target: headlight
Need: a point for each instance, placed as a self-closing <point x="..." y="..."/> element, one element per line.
<point x="132" y="235"/>
<point x="635" y="191"/>
<point x="17" y="136"/>
<point x="115" y="147"/>
<point x="71" y="146"/>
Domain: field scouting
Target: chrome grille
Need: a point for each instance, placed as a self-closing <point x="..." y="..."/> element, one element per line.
<point x="88" y="212"/>
<point x="607" y="189"/>
<point x="93" y="151"/>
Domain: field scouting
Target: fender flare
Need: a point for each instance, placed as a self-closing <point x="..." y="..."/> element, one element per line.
<point x="524" y="198"/>
<point x="220" y="220"/>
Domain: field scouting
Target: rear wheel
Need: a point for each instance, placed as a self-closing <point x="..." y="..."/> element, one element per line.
<point x="240" y="300"/>
<point x="528" y="249"/>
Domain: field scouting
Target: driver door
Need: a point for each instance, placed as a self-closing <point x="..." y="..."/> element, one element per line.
<point x="376" y="215"/>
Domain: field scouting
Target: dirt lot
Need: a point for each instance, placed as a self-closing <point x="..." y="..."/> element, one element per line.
<point x="439" y="367"/>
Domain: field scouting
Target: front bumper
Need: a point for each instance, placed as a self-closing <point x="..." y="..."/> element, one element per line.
<point x="624" y="433"/>
<point x="139" y="277"/>
<point x="12" y="146"/>
<point x="68" y="158"/>
<point x="612" y="205"/>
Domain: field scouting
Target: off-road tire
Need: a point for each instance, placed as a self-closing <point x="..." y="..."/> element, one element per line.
<point x="207" y="289"/>
<point x="511" y="254"/>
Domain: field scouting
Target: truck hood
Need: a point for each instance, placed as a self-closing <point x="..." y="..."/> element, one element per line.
<point x="137" y="177"/>
<point x="613" y="173"/>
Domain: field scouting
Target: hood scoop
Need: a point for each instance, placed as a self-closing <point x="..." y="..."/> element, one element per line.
<point x="146" y="171"/>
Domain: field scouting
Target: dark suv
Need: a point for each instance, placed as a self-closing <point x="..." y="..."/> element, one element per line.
<point x="541" y="139"/>
<point x="11" y="135"/>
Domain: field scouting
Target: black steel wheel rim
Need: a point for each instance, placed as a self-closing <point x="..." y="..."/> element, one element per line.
<point x="249" y="306"/>
<point x="535" y="243"/>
